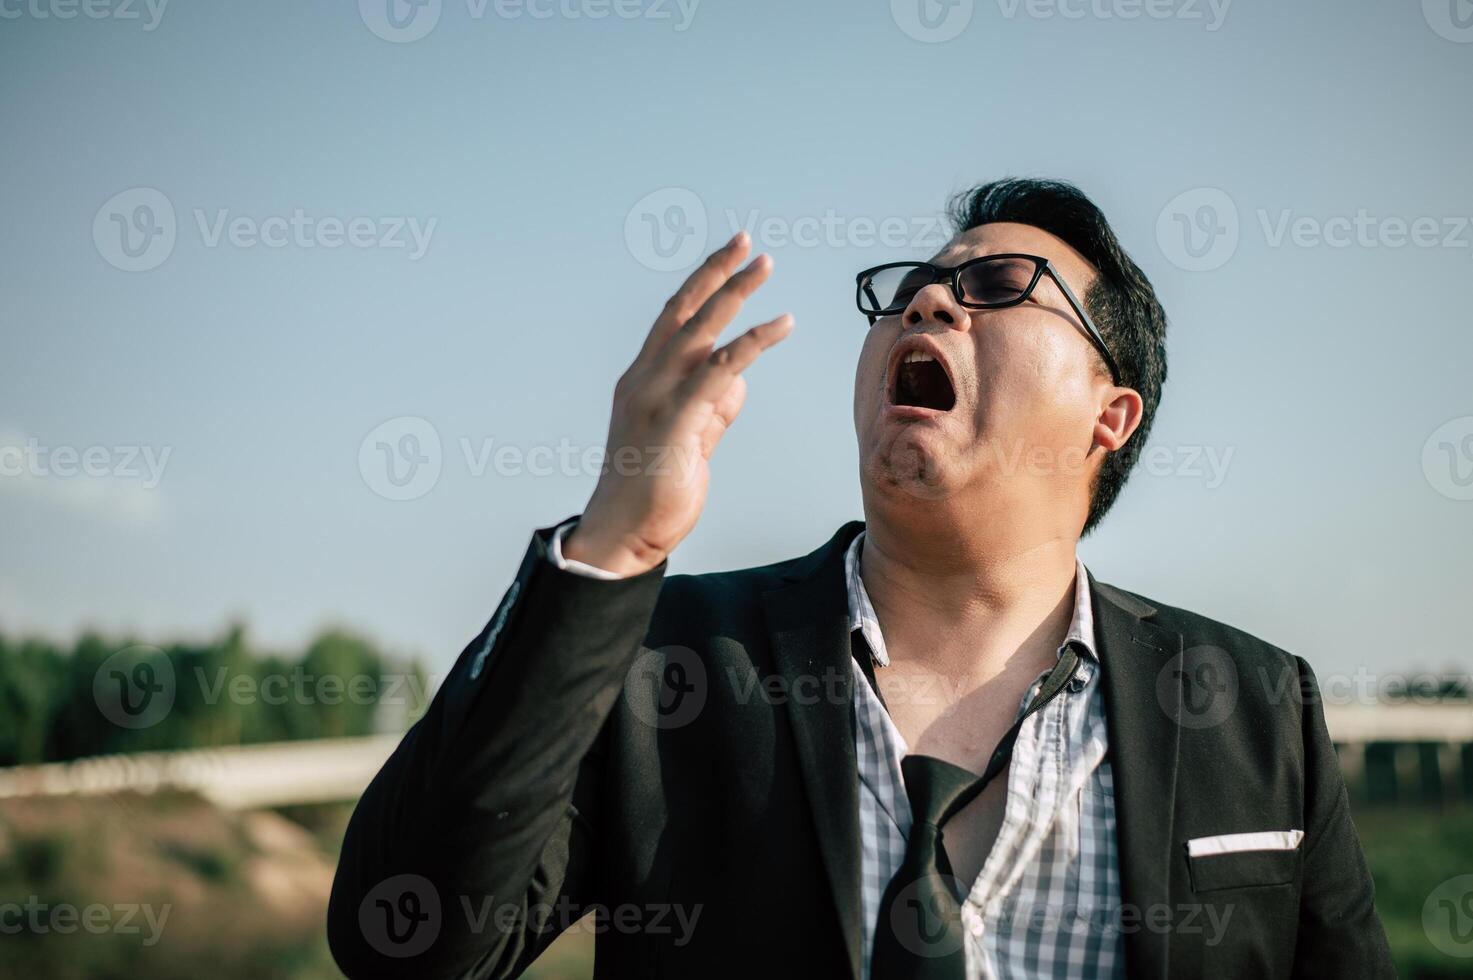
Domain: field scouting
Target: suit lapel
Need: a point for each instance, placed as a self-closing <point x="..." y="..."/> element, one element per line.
<point x="808" y="625"/>
<point x="1142" y="704"/>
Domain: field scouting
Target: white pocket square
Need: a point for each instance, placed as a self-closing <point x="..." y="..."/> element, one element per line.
<point x="1263" y="840"/>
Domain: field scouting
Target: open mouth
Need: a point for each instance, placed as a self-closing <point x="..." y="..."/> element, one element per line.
<point x="921" y="381"/>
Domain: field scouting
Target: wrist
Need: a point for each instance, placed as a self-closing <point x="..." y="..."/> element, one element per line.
<point x="589" y="546"/>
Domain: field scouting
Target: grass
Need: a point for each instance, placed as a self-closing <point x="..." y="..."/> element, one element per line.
<point x="1412" y="852"/>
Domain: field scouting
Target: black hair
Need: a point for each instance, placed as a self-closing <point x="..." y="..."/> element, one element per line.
<point x="1120" y="301"/>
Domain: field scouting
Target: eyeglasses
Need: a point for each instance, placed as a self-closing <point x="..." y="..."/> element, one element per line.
<point x="991" y="282"/>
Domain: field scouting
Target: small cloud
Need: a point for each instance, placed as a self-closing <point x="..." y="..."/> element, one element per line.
<point x="117" y="485"/>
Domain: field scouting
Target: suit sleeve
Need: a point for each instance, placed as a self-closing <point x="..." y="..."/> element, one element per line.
<point x="477" y="841"/>
<point x="1340" y="934"/>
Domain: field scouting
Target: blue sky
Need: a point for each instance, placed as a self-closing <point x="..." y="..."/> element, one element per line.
<point x="336" y="225"/>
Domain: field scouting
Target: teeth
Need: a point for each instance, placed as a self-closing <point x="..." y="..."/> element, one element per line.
<point x="916" y="356"/>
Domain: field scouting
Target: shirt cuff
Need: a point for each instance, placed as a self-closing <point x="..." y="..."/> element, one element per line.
<point x="555" y="555"/>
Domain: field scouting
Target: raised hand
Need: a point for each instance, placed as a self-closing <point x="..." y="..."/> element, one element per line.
<point x="671" y="408"/>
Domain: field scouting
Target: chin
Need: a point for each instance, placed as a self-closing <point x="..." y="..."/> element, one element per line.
<point x="909" y="463"/>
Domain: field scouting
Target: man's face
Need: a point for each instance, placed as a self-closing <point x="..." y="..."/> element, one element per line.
<point x="1025" y="384"/>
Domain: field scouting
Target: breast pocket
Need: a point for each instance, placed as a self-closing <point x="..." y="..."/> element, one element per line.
<point x="1244" y="860"/>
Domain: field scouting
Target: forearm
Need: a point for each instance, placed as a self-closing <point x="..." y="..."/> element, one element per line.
<point x="477" y="799"/>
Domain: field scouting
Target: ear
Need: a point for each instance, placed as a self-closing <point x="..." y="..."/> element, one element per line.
<point x="1119" y="416"/>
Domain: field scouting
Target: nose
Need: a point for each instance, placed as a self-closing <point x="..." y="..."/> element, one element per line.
<point x="935" y="304"/>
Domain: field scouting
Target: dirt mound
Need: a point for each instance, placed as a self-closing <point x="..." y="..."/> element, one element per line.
<point x="160" y="886"/>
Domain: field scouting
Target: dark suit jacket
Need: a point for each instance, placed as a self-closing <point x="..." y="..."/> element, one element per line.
<point x="677" y="752"/>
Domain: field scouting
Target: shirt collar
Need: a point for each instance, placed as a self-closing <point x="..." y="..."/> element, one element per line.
<point x="862" y="613"/>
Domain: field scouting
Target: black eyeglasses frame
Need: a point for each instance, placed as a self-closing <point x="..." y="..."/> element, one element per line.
<point x="952" y="277"/>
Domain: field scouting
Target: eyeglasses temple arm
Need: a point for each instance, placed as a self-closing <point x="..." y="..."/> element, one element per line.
<point x="1089" y="324"/>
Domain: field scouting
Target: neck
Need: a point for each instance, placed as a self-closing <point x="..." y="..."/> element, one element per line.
<point x="965" y="593"/>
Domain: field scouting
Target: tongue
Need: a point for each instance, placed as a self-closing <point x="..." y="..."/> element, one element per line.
<point x="924" y="384"/>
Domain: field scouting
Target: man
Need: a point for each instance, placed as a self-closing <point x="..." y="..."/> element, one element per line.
<point x="935" y="746"/>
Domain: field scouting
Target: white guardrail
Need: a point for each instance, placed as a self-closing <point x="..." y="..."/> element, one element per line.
<point x="241" y="777"/>
<point x="336" y="770"/>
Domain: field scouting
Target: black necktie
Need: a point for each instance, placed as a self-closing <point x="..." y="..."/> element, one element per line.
<point x="919" y="934"/>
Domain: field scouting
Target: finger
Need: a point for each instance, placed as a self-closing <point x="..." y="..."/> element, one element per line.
<point x="700" y="331"/>
<point x="724" y="414"/>
<point x="696" y="289"/>
<point x="730" y="402"/>
<point x="709" y="382"/>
